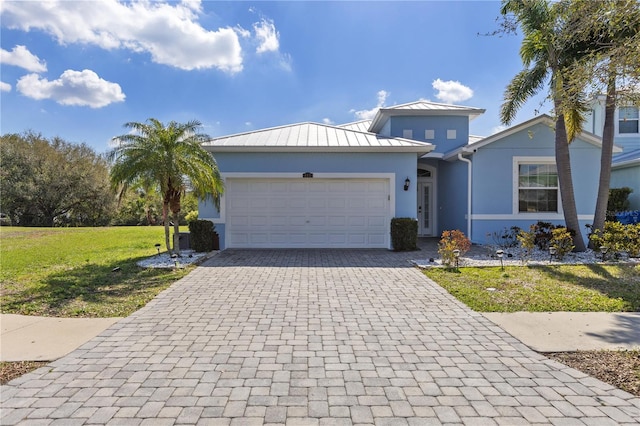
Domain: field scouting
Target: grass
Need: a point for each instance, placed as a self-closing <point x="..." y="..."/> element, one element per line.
<point x="571" y="288"/>
<point x="69" y="272"/>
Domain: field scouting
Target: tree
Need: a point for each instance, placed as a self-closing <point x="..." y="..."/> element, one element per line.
<point x="607" y="33"/>
<point x="53" y="182"/>
<point x="545" y="58"/>
<point x="170" y="157"/>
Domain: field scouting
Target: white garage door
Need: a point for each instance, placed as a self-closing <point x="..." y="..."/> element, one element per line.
<point x="307" y="213"/>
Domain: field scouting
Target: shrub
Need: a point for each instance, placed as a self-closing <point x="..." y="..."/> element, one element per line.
<point x="404" y="233"/>
<point x="450" y="241"/>
<point x="527" y="241"/>
<point x="618" y="201"/>
<point x="562" y="241"/>
<point x="202" y="235"/>
<point x="506" y="238"/>
<point x="191" y="216"/>
<point x="617" y="238"/>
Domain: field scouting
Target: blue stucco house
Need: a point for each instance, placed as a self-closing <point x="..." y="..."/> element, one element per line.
<point x="315" y="185"/>
<point x="625" y="168"/>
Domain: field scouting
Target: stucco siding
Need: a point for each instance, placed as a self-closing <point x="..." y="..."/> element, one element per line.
<point x="401" y="165"/>
<point x="628" y="176"/>
<point x="452" y="196"/>
<point x="495" y="185"/>
<point x="439" y="125"/>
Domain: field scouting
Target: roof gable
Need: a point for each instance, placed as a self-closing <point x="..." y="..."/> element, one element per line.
<point x="310" y="137"/>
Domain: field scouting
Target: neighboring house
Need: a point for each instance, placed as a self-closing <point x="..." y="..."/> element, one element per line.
<point x="626" y="165"/>
<point x="315" y="185"/>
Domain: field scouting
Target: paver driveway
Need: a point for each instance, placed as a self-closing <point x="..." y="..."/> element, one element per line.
<point x="309" y="337"/>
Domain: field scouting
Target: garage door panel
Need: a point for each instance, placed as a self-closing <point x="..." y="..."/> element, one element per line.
<point x="307" y="212"/>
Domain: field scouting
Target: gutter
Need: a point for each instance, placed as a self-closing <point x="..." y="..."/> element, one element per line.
<point x="469" y="167"/>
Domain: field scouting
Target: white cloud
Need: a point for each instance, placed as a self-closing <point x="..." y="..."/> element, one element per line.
<point x="5" y="87"/>
<point x="21" y="57"/>
<point x="81" y="88"/>
<point x="267" y="36"/>
<point x="368" y="114"/>
<point x="169" y="32"/>
<point x="451" y="91"/>
<point x="327" y="121"/>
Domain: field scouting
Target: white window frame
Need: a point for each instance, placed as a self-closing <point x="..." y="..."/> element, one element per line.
<point x="517" y="161"/>
<point x="618" y="119"/>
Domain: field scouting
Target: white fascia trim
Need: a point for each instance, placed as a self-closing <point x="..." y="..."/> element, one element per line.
<point x="527" y="216"/>
<point x="281" y="175"/>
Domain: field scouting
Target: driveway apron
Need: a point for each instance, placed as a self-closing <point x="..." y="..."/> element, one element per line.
<point x="309" y="337"/>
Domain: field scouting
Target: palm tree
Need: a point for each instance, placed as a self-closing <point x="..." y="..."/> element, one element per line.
<point x="607" y="33"/>
<point x="170" y="157"/>
<point x="545" y="58"/>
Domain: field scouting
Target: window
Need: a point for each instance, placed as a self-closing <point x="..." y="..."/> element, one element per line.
<point x="429" y="134"/>
<point x="537" y="187"/>
<point x="407" y="134"/>
<point x="451" y="134"/>
<point x="628" y="120"/>
<point x="424" y="173"/>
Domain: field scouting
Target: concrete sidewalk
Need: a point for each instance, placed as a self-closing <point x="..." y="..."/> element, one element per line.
<point x="26" y="338"/>
<point x="571" y="331"/>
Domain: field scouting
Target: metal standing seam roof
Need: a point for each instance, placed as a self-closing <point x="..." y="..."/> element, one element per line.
<point x="627" y="159"/>
<point x="422" y="108"/>
<point x="313" y="137"/>
<point x="360" y="126"/>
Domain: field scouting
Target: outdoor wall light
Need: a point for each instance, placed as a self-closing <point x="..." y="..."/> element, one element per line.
<point x="407" y="182"/>
<point x="552" y="252"/>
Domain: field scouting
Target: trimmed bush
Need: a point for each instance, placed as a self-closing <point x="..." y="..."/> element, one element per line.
<point x="618" y="201"/>
<point x="451" y="241"/>
<point x="203" y="235"/>
<point x="404" y="234"/>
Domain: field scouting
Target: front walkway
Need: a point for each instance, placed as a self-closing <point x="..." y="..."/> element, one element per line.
<point x="309" y="337"/>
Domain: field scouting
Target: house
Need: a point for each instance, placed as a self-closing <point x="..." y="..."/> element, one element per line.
<point x="315" y="185"/>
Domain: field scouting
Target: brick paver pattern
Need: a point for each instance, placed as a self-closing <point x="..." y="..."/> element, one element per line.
<point x="309" y="337"/>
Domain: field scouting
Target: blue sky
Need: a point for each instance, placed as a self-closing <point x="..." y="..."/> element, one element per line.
<point x="80" y="70"/>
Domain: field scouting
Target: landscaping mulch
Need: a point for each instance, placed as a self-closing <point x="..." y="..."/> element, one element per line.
<point x="618" y="368"/>
<point x="13" y="370"/>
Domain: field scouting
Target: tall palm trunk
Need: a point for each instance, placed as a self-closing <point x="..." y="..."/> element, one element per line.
<point x="605" y="158"/>
<point x="565" y="180"/>
<point x="174" y="206"/>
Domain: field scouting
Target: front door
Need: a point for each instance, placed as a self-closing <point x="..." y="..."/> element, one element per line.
<point x="425" y="208"/>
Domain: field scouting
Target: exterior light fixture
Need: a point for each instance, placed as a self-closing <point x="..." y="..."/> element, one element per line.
<point x="407" y="182"/>
<point x="500" y="254"/>
<point x="604" y="250"/>
<point x="552" y="252"/>
<point x="175" y="260"/>
<point x="158" y="247"/>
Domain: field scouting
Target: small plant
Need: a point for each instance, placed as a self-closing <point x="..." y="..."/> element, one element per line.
<point x="451" y="241"/>
<point x="506" y="238"/>
<point x="562" y="241"/>
<point x="527" y="241"/>
<point x="617" y="238"/>
<point x="542" y="231"/>
<point x="404" y="234"/>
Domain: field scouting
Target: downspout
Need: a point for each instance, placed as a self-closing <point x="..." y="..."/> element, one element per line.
<point x="466" y="160"/>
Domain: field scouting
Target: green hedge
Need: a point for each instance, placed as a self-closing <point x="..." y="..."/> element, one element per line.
<point x="203" y="235"/>
<point x="404" y="233"/>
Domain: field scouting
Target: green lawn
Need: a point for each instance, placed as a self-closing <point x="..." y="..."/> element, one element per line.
<point x="577" y="288"/>
<point x="68" y="272"/>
